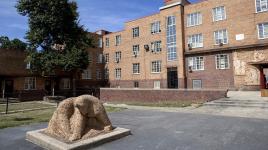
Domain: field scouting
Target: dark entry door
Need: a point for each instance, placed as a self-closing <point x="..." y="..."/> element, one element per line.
<point x="9" y="87"/>
<point x="48" y="84"/>
<point x="172" y="76"/>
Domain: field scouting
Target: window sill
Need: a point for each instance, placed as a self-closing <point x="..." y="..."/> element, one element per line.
<point x="155" y="72"/>
<point x="264" y="11"/>
<point x="190" y="26"/>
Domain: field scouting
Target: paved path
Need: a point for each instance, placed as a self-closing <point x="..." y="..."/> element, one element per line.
<point x="158" y="130"/>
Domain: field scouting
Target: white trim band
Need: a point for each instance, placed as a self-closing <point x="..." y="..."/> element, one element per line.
<point x="171" y="5"/>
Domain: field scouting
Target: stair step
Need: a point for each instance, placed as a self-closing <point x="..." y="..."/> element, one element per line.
<point x="238" y="102"/>
<point x="237" y="105"/>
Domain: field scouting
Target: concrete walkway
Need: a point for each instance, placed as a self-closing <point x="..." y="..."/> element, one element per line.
<point x="246" y="95"/>
<point x="157" y="130"/>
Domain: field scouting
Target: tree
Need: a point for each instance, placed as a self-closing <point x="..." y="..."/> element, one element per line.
<point x="56" y="40"/>
<point x="55" y="31"/>
<point x="15" y="44"/>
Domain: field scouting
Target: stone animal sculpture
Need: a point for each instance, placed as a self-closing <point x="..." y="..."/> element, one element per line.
<point x="79" y="118"/>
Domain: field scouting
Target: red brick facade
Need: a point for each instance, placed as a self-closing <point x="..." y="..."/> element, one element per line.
<point x="149" y="95"/>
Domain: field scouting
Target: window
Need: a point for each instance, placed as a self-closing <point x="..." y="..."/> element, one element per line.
<point x="195" y="41"/>
<point x="171" y="38"/>
<point x="136" y="68"/>
<point x="100" y="58"/>
<point x="98" y="74"/>
<point x="86" y="74"/>
<point x="136" y="50"/>
<point x="28" y="65"/>
<point x="89" y="57"/>
<point x="156" y="46"/>
<point x="194" y="19"/>
<point x="156" y="66"/>
<point x="100" y="43"/>
<point x="66" y="83"/>
<point x="117" y="57"/>
<point x="263" y="30"/>
<point x="117" y="40"/>
<point x="261" y="5"/>
<point x="107" y="42"/>
<point x="136" y="32"/>
<point x="222" y="61"/>
<point x="197" y="84"/>
<point x="118" y="73"/>
<point x="136" y="84"/>
<point x="106" y="58"/>
<point x="155" y="27"/>
<point x="196" y="63"/>
<point x="221" y="37"/>
<point x="219" y="13"/>
<point x="157" y="84"/>
<point x="106" y="73"/>
<point x="30" y="83"/>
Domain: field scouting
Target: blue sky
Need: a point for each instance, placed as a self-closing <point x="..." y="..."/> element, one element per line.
<point x="94" y="15"/>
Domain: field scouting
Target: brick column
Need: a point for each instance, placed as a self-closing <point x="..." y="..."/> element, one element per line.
<point x="262" y="79"/>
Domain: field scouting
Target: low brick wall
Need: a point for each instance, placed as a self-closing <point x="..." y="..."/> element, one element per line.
<point x="151" y="95"/>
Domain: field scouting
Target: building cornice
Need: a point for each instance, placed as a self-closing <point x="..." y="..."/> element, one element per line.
<point x="171" y="5"/>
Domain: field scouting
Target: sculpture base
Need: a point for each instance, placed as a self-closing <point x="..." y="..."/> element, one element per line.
<point x="47" y="142"/>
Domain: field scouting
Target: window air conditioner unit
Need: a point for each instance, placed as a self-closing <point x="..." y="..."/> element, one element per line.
<point x="190" y="69"/>
<point x="220" y="43"/>
<point x="146" y="47"/>
<point x="190" y="46"/>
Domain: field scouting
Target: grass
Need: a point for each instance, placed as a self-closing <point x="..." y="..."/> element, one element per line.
<point x="29" y="117"/>
<point x="22" y="106"/>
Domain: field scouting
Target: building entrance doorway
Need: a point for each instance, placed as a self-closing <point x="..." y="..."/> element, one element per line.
<point x="172" y="77"/>
<point x="9" y="87"/>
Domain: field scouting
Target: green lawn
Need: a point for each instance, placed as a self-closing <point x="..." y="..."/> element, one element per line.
<point x="25" y="118"/>
<point x="22" y="106"/>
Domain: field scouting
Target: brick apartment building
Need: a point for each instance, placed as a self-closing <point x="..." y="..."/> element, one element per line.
<point x="17" y="81"/>
<point x="210" y="44"/>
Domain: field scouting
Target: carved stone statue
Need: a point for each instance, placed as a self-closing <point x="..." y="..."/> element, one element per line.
<point x="79" y="118"/>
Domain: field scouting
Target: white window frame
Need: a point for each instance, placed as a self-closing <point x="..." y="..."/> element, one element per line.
<point x="118" y="73"/>
<point x="171" y="39"/>
<point x="66" y="83"/>
<point x="157" y="85"/>
<point x="197" y="80"/>
<point x="29" y="83"/>
<point x="98" y="74"/>
<point x="136" y="50"/>
<point x="261" y="4"/>
<point x="155" y="27"/>
<point x="136" y="68"/>
<point x="221" y="37"/>
<point x="265" y="30"/>
<point x="196" y="63"/>
<point x="156" y="66"/>
<point x="107" y="42"/>
<point x="194" y="19"/>
<point x="221" y="16"/>
<point x="106" y="57"/>
<point x="135" y="32"/>
<point x="156" y="46"/>
<point x="118" y="56"/>
<point x="106" y="73"/>
<point x="117" y="40"/>
<point x="100" y="41"/>
<point x="90" y="59"/>
<point x="28" y="65"/>
<point x="100" y="58"/>
<point x="86" y="75"/>
<point x="196" y="40"/>
<point x="219" y="62"/>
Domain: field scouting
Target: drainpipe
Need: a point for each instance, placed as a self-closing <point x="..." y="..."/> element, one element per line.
<point x="3" y="91"/>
